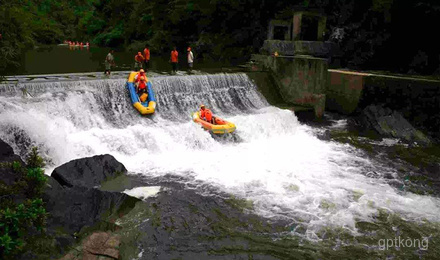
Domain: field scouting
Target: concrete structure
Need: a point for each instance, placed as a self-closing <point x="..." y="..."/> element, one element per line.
<point x="280" y="30"/>
<point x="344" y="90"/>
<point x="301" y="75"/>
<point x="303" y="35"/>
<point x="300" y="70"/>
<point x="308" y="26"/>
<point x="300" y="80"/>
<point x="417" y="99"/>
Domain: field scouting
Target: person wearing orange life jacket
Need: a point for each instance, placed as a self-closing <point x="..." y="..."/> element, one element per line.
<point x="142" y="86"/>
<point x="139" y="59"/>
<point x="147" y="57"/>
<point x="138" y="76"/>
<point x="174" y="59"/>
<point x="206" y="115"/>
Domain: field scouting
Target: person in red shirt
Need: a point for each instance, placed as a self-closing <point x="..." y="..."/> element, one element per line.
<point x="147" y="57"/>
<point x="139" y="59"/>
<point x="174" y="59"/>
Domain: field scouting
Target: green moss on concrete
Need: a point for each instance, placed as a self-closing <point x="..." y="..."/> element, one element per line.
<point x="266" y="87"/>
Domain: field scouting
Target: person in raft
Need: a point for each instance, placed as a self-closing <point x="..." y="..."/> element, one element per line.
<point x="139" y="59"/>
<point x="138" y="76"/>
<point x="206" y="114"/>
<point x="142" y="89"/>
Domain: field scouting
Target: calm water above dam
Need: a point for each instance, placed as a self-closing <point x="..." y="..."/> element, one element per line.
<point x="64" y="59"/>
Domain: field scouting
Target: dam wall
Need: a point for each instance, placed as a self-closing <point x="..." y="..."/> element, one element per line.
<point x="300" y="80"/>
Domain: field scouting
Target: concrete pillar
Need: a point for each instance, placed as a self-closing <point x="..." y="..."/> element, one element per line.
<point x="321" y="28"/>
<point x="289" y="28"/>
<point x="270" y="31"/>
<point x="297" y="18"/>
<point x="319" y="105"/>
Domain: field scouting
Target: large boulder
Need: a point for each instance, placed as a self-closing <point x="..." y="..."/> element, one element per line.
<point x="389" y="123"/>
<point x="73" y="208"/>
<point x="88" y="172"/>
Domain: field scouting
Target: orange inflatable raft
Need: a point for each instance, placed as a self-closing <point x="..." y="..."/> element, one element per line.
<point x="220" y="127"/>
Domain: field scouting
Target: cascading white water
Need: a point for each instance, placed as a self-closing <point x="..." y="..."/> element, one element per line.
<point x="279" y="164"/>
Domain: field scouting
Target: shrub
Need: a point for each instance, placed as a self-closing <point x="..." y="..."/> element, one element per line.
<point x="22" y="212"/>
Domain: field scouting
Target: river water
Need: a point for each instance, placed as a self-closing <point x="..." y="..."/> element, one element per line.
<point x="274" y="161"/>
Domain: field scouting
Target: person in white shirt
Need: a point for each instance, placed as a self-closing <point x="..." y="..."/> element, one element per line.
<point x="109" y="62"/>
<point x="190" y="58"/>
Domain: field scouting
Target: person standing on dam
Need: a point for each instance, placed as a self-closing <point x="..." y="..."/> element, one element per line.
<point x="174" y="59"/>
<point x="139" y="59"/>
<point x="147" y="57"/>
<point x="109" y="62"/>
<point x="190" y="59"/>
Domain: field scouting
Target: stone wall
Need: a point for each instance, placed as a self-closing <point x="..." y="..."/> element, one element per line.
<point x="282" y="47"/>
<point x="318" y="49"/>
<point x="290" y="48"/>
<point x="417" y="99"/>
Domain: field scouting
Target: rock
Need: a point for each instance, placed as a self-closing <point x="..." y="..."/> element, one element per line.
<point x="7" y="155"/>
<point x="88" y="172"/>
<point x="99" y="245"/>
<point x="72" y="208"/>
<point x="389" y="123"/>
<point x="102" y="243"/>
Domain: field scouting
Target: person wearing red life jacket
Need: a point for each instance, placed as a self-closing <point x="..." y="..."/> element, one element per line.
<point x="138" y="76"/>
<point x="142" y="89"/>
<point x="206" y="114"/>
<point x="142" y="86"/>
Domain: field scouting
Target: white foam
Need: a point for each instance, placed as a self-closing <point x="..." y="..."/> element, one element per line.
<point x="143" y="192"/>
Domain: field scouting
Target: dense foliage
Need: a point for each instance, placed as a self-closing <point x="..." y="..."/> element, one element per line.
<point x="22" y="213"/>
<point x="370" y="31"/>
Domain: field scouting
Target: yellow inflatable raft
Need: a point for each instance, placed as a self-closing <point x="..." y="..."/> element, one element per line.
<point x="144" y="107"/>
<point x="221" y="126"/>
